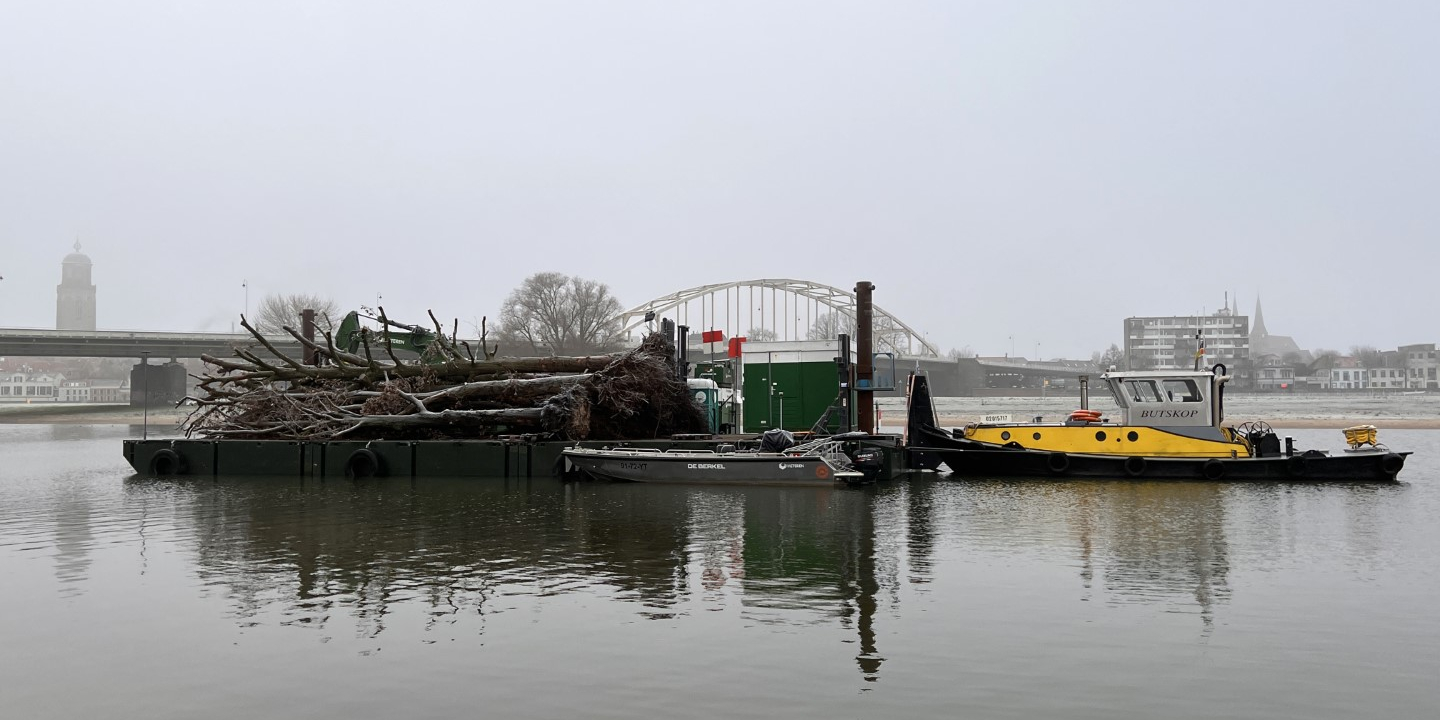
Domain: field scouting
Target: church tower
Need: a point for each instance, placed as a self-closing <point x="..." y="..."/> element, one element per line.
<point x="1257" y="329"/>
<point x="75" y="296"/>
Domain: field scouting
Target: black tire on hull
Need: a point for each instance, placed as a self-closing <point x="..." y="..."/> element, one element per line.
<point x="1213" y="470"/>
<point x="1135" y="466"/>
<point x="362" y="463"/>
<point x="167" y="462"/>
<point x="1058" y="463"/>
<point x="1392" y="463"/>
<point x="1297" y="466"/>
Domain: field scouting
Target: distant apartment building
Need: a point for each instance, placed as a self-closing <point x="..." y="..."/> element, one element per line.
<point x="95" y="391"/>
<point x="75" y="391"/>
<point x="1421" y="366"/>
<point x="1275" y="377"/>
<point x="1348" y="375"/>
<point x="1386" y="378"/>
<point x="110" y="391"/>
<point x="1168" y="343"/>
<point x="30" y="387"/>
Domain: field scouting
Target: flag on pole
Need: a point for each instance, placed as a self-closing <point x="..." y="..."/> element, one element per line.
<point x="735" y="343"/>
<point x="711" y="336"/>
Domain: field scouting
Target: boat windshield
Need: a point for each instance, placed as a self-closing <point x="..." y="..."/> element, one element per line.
<point x="1182" y="390"/>
<point x="1142" y="391"/>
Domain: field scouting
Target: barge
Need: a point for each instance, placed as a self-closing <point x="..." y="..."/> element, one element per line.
<point x="511" y="457"/>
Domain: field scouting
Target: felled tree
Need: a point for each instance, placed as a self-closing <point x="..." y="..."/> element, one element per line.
<point x="447" y="393"/>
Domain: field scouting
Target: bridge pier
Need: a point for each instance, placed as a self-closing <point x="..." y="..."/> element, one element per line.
<point x="157" y="385"/>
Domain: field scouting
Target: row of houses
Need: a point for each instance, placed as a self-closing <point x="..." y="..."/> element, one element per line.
<point x="53" y="387"/>
<point x="1409" y="367"/>
<point x="1262" y="361"/>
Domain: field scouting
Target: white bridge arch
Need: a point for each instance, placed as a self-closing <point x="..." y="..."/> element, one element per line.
<point x="784" y="309"/>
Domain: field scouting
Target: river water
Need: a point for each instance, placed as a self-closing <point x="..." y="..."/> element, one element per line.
<point x="926" y="597"/>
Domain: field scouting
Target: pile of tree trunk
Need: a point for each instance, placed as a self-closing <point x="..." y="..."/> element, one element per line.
<point x="446" y="393"/>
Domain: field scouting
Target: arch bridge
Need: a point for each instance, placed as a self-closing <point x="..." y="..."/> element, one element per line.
<point x="777" y="309"/>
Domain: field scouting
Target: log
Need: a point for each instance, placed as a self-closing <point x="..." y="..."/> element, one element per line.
<point x="533" y="417"/>
<point x="490" y="389"/>
<point x="377" y="371"/>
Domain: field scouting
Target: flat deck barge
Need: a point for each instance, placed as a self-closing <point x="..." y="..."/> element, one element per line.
<point x="518" y="457"/>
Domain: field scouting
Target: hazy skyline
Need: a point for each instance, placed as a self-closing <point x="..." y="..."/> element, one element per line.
<point x="1047" y="168"/>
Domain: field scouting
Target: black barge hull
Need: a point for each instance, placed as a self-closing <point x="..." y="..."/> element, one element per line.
<point x="1364" y="466"/>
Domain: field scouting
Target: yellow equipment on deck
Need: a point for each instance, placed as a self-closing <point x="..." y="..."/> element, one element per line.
<point x="1358" y="435"/>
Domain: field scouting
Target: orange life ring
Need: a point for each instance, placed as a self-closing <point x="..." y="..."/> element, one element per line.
<point x="1085" y="415"/>
<point x="822" y="471"/>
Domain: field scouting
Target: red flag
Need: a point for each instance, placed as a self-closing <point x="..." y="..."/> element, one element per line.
<point x="710" y="336"/>
<point x="735" y="343"/>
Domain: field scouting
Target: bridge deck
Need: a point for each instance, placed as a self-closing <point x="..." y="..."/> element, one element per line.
<point x="26" y="342"/>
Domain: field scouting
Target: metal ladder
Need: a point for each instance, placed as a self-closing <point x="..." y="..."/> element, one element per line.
<point x="831" y="448"/>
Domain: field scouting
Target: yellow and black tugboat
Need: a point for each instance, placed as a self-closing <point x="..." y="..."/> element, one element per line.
<point x="1170" y="426"/>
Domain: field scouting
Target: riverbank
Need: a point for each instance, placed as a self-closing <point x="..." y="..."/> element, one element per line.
<point x="89" y="414"/>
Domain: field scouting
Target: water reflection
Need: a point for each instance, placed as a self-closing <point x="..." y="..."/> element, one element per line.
<point x="302" y="554"/>
<point x="73" y="541"/>
<point x="303" y="551"/>
<point x="1134" y="542"/>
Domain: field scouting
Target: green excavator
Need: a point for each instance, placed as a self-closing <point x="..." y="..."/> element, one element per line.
<point x="411" y="338"/>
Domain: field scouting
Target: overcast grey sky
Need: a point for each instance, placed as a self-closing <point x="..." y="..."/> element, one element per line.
<point x="1039" y="170"/>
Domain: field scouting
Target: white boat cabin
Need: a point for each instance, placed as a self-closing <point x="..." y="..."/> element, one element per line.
<point x="1168" y="398"/>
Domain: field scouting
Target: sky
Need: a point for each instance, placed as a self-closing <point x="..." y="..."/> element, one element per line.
<point x="1008" y="174"/>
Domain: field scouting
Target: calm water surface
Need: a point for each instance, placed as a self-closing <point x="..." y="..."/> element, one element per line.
<point x="261" y="597"/>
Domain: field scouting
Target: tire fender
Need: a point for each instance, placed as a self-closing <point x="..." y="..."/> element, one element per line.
<point x="1297" y="466"/>
<point x="363" y="463"/>
<point x="1058" y="462"/>
<point x="1135" y="466"/>
<point x="1392" y="463"/>
<point x="1213" y="469"/>
<point x="166" y="462"/>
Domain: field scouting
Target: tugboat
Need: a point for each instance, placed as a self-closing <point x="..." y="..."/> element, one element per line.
<point x="1171" y="426"/>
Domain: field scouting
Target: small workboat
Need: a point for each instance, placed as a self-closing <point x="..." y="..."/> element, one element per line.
<point x="823" y="461"/>
<point x="1170" y="426"/>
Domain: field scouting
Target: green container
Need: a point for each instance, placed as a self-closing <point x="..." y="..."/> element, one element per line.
<point x="789" y="385"/>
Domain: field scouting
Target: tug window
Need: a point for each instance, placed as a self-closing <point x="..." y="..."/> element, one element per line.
<point x="1180" y="390"/>
<point x="1142" y="390"/>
